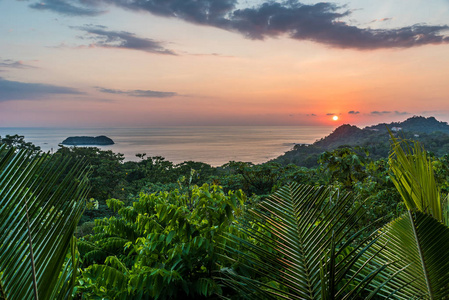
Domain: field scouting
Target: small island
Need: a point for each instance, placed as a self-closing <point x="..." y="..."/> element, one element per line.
<point x="88" y="140"/>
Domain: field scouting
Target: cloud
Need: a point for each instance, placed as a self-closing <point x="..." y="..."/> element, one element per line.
<point x="139" y="93"/>
<point x="207" y="12"/>
<point x="121" y="39"/>
<point x="381" y="20"/>
<point x="14" y="64"/>
<point x="330" y="114"/>
<point x="401" y="113"/>
<point x="320" y="22"/>
<point x="380" y="113"/>
<point x="311" y="115"/>
<point x="15" y="90"/>
<point x="65" y="8"/>
<point x="352" y="112"/>
<point x="211" y="54"/>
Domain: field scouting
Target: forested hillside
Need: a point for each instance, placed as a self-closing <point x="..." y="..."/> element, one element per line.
<point x="433" y="134"/>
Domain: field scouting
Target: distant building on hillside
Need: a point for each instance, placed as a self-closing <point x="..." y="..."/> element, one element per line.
<point x="396" y="129"/>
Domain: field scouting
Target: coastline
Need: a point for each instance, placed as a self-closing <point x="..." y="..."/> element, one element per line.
<point x="215" y="145"/>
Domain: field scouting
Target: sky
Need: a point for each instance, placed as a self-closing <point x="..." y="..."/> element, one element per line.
<point x="138" y="63"/>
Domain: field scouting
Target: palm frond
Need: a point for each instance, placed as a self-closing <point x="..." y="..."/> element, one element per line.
<point x="32" y="182"/>
<point x="299" y="242"/>
<point x="414" y="177"/>
<point x="418" y="244"/>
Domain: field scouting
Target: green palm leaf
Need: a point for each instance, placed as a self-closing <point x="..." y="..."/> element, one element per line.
<point x="298" y="241"/>
<point x="31" y="186"/>
<point x="414" y="178"/>
<point x="419" y="244"/>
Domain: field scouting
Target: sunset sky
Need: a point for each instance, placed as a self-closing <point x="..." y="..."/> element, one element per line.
<point x="134" y="63"/>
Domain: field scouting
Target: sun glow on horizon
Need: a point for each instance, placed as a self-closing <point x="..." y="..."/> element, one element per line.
<point x="335" y="118"/>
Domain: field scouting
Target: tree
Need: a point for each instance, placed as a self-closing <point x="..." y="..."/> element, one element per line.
<point x="106" y="169"/>
<point x="252" y="179"/>
<point x="18" y="141"/>
<point x="344" y="165"/>
<point x="165" y="245"/>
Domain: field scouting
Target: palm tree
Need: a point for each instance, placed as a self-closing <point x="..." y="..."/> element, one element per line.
<point x="39" y="211"/>
<point x="302" y="242"/>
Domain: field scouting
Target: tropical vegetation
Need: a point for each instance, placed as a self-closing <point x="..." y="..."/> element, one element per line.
<point x="352" y="227"/>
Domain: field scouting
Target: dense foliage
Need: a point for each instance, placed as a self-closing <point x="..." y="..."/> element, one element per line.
<point x="166" y="245"/>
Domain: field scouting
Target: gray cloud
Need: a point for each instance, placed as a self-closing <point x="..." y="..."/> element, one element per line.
<point x="380" y="113"/>
<point x="102" y="37"/>
<point x="207" y="12"/>
<point x="14" y="64"/>
<point x="352" y="112"/>
<point x="139" y="93"/>
<point x="83" y="8"/>
<point x="330" y="114"/>
<point x="311" y="115"/>
<point x="320" y="22"/>
<point x="15" y="90"/>
<point x="401" y="113"/>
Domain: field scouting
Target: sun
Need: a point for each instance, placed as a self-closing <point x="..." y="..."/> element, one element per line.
<point x="335" y="118"/>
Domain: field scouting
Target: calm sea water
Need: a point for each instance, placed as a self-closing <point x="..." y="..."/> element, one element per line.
<point x="215" y="145"/>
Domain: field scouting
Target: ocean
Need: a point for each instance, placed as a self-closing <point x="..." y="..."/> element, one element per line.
<point x="215" y="145"/>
